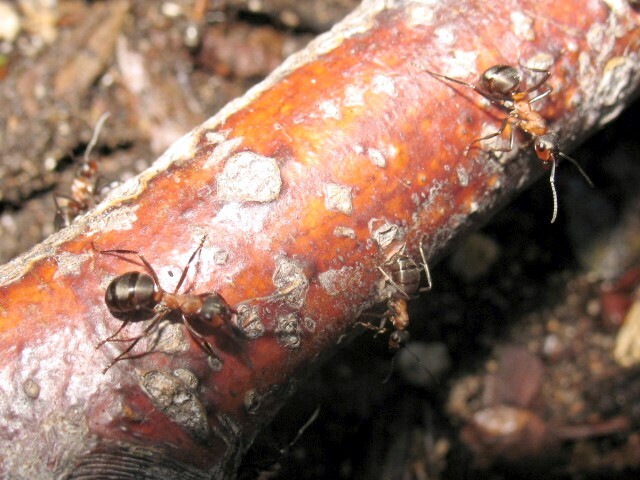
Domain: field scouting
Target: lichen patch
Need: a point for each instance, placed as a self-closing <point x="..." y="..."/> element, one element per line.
<point x="249" y="177"/>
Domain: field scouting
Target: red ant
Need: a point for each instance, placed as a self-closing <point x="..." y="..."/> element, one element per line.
<point x="404" y="276"/>
<point x="136" y="296"/>
<point x="83" y="187"/>
<point x="500" y="84"/>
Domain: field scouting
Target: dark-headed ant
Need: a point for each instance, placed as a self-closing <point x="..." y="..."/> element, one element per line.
<point x="136" y="296"/>
<point x="500" y="85"/>
<point x="404" y="275"/>
<point x="83" y="187"/>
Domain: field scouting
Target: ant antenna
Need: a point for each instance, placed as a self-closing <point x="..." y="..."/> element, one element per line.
<point x="96" y="134"/>
<point x="416" y="358"/>
<point x="552" y="180"/>
<point x="301" y="431"/>
<point x="578" y="167"/>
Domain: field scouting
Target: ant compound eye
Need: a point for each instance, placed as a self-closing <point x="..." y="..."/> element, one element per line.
<point x="541" y="146"/>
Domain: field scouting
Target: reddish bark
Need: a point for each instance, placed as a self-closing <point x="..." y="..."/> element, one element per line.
<point x="303" y="188"/>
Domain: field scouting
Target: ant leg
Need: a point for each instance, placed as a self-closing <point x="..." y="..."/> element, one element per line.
<point x="397" y="287"/>
<point x="552" y="181"/>
<point x="541" y="96"/>
<point x="111" y="338"/>
<point x="186" y="268"/>
<point x="425" y="266"/>
<point x="380" y="329"/>
<point x="118" y="253"/>
<point x="540" y="82"/>
<point x="200" y="340"/>
<point x="455" y="80"/>
<point x="123" y="355"/>
<point x="497" y="133"/>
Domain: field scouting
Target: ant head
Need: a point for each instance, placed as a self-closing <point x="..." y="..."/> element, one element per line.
<point x="132" y="293"/>
<point x="501" y="81"/>
<point x="398" y="338"/>
<point x="214" y="306"/>
<point x="547" y="147"/>
<point x="87" y="169"/>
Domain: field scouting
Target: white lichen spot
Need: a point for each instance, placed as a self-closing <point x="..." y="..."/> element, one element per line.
<point x="463" y="176"/>
<point x="31" y="388"/>
<point x="249" y="177"/>
<point x="338" y="198"/>
<point x="178" y="401"/>
<point x="288" y="331"/>
<point x="616" y="79"/>
<point x="377" y="157"/>
<point x="345" y="232"/>
<point x="169" y="338"/>
<point x="358" y="149"/>
<point x="249" y="322"/>
<point x="220" y="256"/>
<point x="187" y="377"/>
<point x="392" y="151"/>
<point x="335" y="281"/>
<point x="119" y="219"/>
<point x="353" y="96"/>
<point x="462" y="65"/>
<point x="236" y="218"/>
<point x="290" y="282"/>
<point x="421" y="13"/>
<point x="619" y="7"/>
<point x="540" y="61"/>
<point x="309" y="324"/>
<point x="69" y="264"/>
<point x="222" y="151"/>
<point x="383" y="84"/>
<point x="330" y="109"/>
<point x="523" y="26"/>
<point x="383" y="232"/>
<point x="445" y="35"/>
<point x="215" y="138"/>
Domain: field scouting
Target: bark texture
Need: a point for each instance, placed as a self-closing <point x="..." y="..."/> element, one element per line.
<point x="303" y="188"/>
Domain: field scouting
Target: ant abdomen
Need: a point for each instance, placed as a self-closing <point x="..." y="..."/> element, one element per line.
<point x="132" y="294"/>
<point x="500" y="81"/>
<point x="405" y="273"/>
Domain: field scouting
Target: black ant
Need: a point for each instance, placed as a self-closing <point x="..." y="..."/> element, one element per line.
<point x="83" y="187"/>
<point x="136" y="296"/>
<point x="404" y="275"/>
<point x="500" y="84"/>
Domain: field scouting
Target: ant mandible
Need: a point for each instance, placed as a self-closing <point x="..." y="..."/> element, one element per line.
<point x="136" y="296"/>
<point x="404" y="275"/>
<point x="500" y="84"/>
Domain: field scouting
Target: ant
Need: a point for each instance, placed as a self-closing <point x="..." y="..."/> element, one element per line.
<point x="136" y="296"/>
<point x="404" y="275"/>
<point x="500" y="84"/>
<point x="83" y="187"/>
